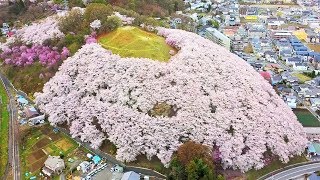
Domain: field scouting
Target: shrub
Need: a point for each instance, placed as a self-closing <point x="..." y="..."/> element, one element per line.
<point x="72" y="22"/>
<point x="110" y="24"/>
<point x="97" y="11"/>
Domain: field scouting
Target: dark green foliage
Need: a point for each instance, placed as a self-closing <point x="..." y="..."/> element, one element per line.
<point x="310" y="74"/>
<point x="97" y="11"/>
<point x="110" y="24"/>
<point x="177" y="170"/>
<point x="192" y="163"/>
<point x="99" y="1"/>
<point x="192" y="171"/>
<point x="72" y="23"/>
<point x="196" y="169"/>
<point x="154" y="8"/>
<point x="18" y="7"/>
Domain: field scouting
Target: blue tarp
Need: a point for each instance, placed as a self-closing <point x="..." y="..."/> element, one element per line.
<point x="22" y="100"/>
<point x="96" y="159"/>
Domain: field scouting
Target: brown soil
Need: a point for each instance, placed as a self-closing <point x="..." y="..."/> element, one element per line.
<point x="54" y="136"/>
<point x="37" y="165"/>
<point x="38" y="154"/>
<point x="42" y="143"/>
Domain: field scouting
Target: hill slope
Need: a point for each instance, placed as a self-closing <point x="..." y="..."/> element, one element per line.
<point x="204" y="93"/>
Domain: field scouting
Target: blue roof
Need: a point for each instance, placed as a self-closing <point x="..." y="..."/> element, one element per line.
<point x="311" y="148"/>
<point x="314" y="177"/>
<point x="300" y="48"/>
<point x="302" y="53"/>
<point x="96" y="159"/>
<point x="312" y="53"/>
<point x="317" y="58"/>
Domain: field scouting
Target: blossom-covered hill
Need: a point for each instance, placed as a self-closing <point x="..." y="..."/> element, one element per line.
<point x="216" y="99"/>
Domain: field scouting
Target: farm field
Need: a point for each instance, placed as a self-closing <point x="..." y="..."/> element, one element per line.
<point x="133" y="42"/>
<point x="306" y="118"/>
<point x="39" y="143"/>
<point x="4" y="127"/>
<point x="302" y="78"/>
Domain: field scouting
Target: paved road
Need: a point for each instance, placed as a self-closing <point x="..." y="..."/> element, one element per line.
<point x="13" y="147"/>
<point x="296" y="172"/>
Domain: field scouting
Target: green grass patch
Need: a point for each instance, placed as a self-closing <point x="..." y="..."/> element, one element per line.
<point x="255" y="174"/>
<point x="306" y="118"/>
<point x="133" y="42"/>
<point x="4" y="129"/>
<point x="302" y="78"/>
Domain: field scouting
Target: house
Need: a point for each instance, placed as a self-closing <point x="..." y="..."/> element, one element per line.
<point x="177" y="20"/>
<point x="315" y="102"/>
<point x="300" y="66"/>
<point x="130" y="176"/>
<point x="36" y="120"/>
<point x="31" y="112"/>
<point x="291" y="101"/>
<point x="85" y="167"/>
<point x="285" y="53"/>
<point x="276" y="79"/>
<point x="292" y="80"/>
<point x="287" y="91"/>
<point x="316" y="61"/>
<point x="293" y="60"/>
<point x="279" y="34"/>
<point x="53" y="165"/>
<point x="218" y="37"/>
<point x="22" y="101"/>
<point x="310" y="94"/>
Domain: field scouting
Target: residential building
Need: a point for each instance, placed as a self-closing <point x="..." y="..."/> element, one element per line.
<point x="36" y="120"/>
<point x="291" y="101"/>
<point x="84" y="167"/>
<point x="300" y="66"/>
<point x="293" y="60"/>
<point x="279" y="34"/>
<point x="53" y="165"/>
<point x="31" y="112"/>
<point x="130" y="176"/>
<point x="217" y="37"/>
<point x="315" y="102"/>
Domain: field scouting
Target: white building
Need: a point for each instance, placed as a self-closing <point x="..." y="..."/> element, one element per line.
<point x="291" y="101"/>
<point x="300" y="66"/>
<point x="53" y="165"/>
<point x="315" y="102"/>
<point x="218" y="37"/>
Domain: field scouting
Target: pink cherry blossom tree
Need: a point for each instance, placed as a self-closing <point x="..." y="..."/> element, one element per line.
<point x="220" y="101"/>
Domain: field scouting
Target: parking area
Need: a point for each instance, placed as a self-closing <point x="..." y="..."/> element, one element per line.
<point x="106" y="174"/>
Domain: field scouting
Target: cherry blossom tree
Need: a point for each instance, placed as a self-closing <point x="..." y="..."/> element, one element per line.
<point x="220" y="100"/>
<point x="37" y="33"/>
<point x="23" y="56"/>
<point x="96" y="24"/>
